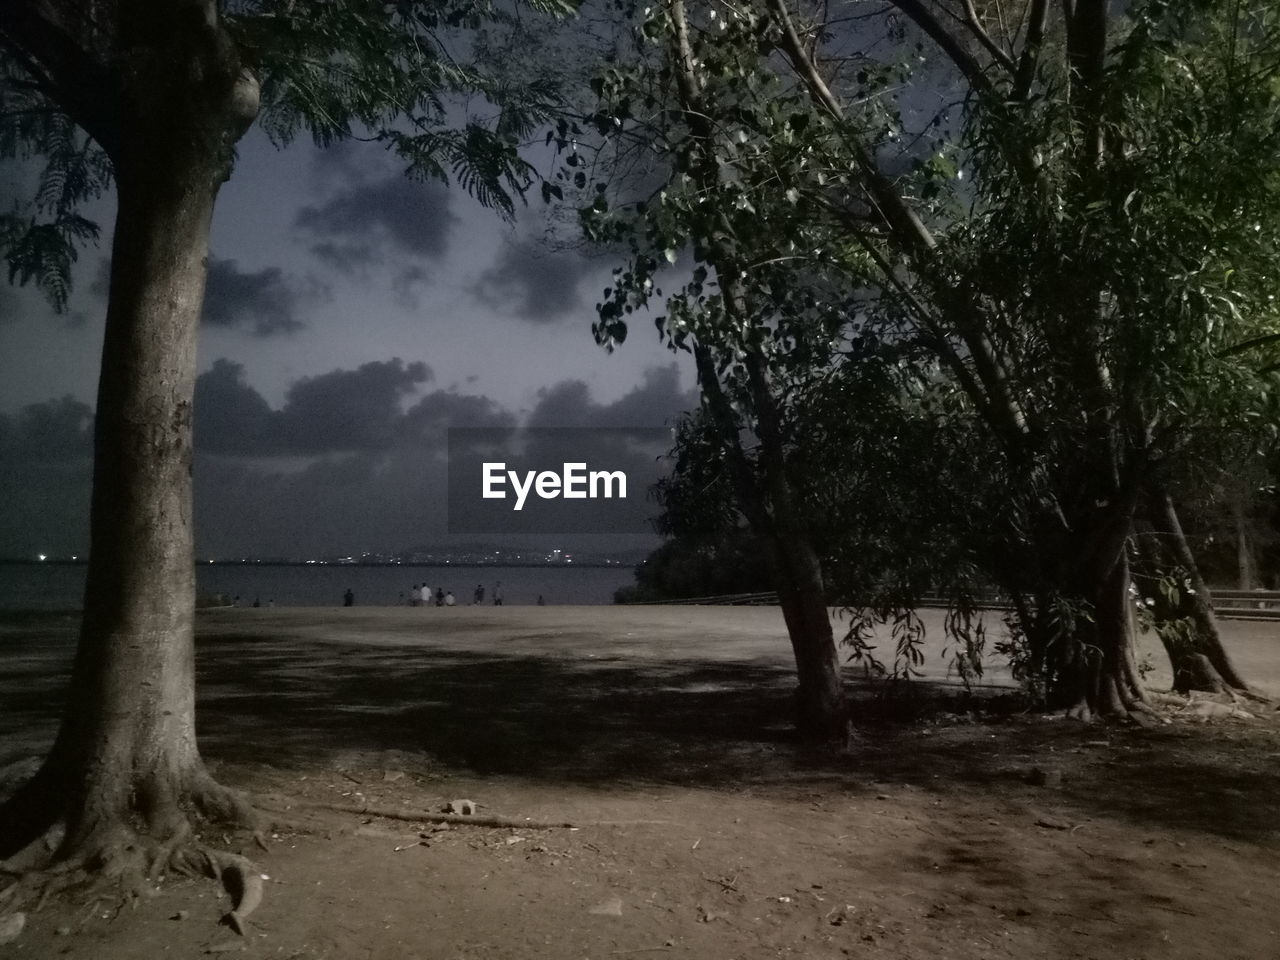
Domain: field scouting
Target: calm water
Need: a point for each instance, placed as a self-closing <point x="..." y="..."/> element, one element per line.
<point x="57" y="586"/>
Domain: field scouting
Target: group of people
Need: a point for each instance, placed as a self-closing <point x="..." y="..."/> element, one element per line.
<point x="421" y="596"/>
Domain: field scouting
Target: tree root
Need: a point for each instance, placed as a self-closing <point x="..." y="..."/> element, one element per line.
<point x="120" y="861"/>
<point x="125" y="868"/>
<point x="238" y="875"/>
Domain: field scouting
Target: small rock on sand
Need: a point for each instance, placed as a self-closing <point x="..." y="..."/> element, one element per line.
<point x="610" y="908"/>
<point x="11" y="926"/>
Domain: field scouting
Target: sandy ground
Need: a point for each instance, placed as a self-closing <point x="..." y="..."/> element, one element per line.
<point x="702" y="830"/>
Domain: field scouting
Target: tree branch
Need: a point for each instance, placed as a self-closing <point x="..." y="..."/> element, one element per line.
<point x="1030" y="59"/>
<point x="980" y="32"/>
<point x="949" y="44"/>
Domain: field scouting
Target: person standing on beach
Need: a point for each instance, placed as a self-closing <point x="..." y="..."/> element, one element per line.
<point x="426" y="595"/>
<point x="440" y="597"/>
<point x="348" y="599"/>
<point x="448" y="599"/>
<point x="415" y="596"/>
<point x="479" y="594"/>
<point x="497" y="594"/>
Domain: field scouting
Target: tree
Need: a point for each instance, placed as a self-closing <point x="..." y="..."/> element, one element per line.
<point x="153" y="95"/>
<point x="1083" y="286"/>
<point x="1089" y="299"/>
<point x="746" y="323"/>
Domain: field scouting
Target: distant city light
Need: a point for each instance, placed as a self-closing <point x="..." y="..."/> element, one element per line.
<point x="40" y="555"/>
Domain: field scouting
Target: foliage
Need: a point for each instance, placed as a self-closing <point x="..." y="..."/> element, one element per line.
<point x="396" y="74"/>
<point x="1049" y="298"/>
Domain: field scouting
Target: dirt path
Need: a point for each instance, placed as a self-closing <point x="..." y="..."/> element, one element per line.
<point x="940" y="838"/>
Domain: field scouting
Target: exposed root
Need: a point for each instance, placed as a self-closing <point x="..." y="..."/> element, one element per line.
<point x="238" y="876"/>
<point x="223" y="805"/>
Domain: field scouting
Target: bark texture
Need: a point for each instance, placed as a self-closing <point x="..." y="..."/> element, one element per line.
<point x="125" y="774"/>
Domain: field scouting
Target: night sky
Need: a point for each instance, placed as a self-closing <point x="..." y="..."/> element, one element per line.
<point x="352" y="316"/>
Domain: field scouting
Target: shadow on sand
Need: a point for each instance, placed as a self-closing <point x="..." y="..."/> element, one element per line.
<point x="286" y="703"/>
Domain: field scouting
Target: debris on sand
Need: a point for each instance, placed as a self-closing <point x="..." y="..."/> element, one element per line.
<point x="610" y="908"/>
<point x="11" y="927"/>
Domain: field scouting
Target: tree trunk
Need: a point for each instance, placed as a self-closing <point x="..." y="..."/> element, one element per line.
<point x="1090" y="668"/>
<point x="1096" y="672"/>
<point x="124" y="773"/>
<point x="1246" y="565"/>
<point x="820" y="709"/>
<point x="797" y="568"/>
<point x="1198" y="657"/>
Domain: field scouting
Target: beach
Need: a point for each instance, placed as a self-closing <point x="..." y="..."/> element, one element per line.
<point x="700" y="827"/>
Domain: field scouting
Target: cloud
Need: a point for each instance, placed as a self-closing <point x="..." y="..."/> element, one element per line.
<point x="343" y="410"/>
<point x="230" y="416"/>
<point x="263" y="301"/>
<point x="353" y="459"/>
<point x="49" y="432"/>
<point x="431" y="416"/>
<point x="349" y="409"/>
<point x="533" y="283"/>
<point x="46" y="462"/>
<point x="657" y="401"/>
<point x="391" y="215"/>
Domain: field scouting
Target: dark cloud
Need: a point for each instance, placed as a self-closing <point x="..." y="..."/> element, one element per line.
<point x="345" y="257"/>
<point x="344" y="410"/>
<point x="230" y="416"/>
<point x="46" y="463"/>
<point x="263" y="301"/>
<point x="431" y="416"/>
<point x="390" y="215"/>
<point x="349" y="409"/>
<point x="657" y="401"/>
<point x="533" y="283"/>
<point x="53" y="431"/>
<point x="353" y="459"/>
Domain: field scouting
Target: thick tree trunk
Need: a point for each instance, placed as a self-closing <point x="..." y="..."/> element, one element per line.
<point x="1197" y="656"/>
<point x="124" y="773"/>
<point x="1097" y="672"/>
<point x="125" y="757"/>
<point x="1087" y="628"/>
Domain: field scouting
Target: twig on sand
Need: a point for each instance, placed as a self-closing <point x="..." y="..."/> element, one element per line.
<point x="727" y="884"/>
<point x="616" y="953"/>
<point x="422" y="816"/>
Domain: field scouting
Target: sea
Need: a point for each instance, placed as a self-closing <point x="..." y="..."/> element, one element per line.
<point x="60" y="586"/>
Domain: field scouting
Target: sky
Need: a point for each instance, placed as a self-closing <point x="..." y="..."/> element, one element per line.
<point x="352" y="316"/>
